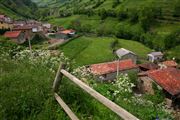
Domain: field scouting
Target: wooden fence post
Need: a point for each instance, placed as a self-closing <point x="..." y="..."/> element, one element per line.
<point x="65" y="107"/>
<point x="58" y="78"/>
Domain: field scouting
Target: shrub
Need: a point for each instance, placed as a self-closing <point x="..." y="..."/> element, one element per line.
<point x="177" y="9"/>
<point x="147" y="15"/>
<point x="122" y="14"/>
<point x="173" y="39"/>
<point x="103" y="14"/>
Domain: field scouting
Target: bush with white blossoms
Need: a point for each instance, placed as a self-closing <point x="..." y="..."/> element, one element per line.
<point x="43" y="57"/>
<point x="84" y="74"/>
<point x="123" y="84"/>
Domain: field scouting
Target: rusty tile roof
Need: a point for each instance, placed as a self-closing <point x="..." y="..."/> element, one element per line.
<point x="110" y="67"/>
<point x="168" y="79"/>
<point x="170" y="63"/>
<point x="12" y="34"/>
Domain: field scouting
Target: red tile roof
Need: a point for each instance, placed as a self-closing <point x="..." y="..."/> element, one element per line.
<point x="67" y="31"/>
<point x="110" y="67"/>
<point x="168" y="79"/>
<point x="170" y="63"/>
<point x="12" y="34"/>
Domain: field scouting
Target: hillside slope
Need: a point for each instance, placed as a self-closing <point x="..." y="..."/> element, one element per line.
<point x="18" y="8"/>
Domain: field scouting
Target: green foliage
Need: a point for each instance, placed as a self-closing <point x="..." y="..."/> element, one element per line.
<point x="115" y="44"/>
<point x="102" y="13"/>
<point x="158" y="96"/>
<point x="23" y="8"/>
<point x="177" y="8"/>
<point x="2" y="31"/>
<point x="23" y="91"/>
<point x="122" y="14"/>
<point x="173" y="39"/>
<point x="147" y="15"/>
<point x="133" y="77"/>
<point x="116" y="3"/>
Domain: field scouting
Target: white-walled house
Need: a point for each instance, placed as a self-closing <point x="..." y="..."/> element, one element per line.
<point x="155" y="56"/>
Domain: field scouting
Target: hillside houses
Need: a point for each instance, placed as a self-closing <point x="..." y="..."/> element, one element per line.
<point x="5" y="22"/>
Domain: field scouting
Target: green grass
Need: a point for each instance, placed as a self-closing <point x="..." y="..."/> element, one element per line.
<point x="65" y="22"/>
<point x="26" y="94"/>
<point x="174" y="53"/>
<point x="89" y="50"/>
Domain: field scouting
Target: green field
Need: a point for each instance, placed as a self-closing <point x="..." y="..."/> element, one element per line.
<point x="89" y="50"/>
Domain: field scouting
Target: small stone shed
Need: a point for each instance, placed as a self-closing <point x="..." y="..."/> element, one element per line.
<point x="126" y="54"/>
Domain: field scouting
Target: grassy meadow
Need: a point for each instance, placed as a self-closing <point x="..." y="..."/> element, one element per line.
<point x="90" y="50"/>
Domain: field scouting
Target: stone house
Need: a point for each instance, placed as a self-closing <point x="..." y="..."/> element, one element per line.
<point x="108" y="71"/>
<point x="167" y="79"/>
<point x="16" y="36"/>
<point x="126" y="54"/>
<point x="155" y="56"/>
<point x="25" y="29"/>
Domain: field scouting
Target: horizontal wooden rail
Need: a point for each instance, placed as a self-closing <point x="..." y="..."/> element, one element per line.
<point x="65" y="107"/>
<point x="111" y="105"/>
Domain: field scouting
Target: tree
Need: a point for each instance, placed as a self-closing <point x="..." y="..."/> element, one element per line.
<point x="103" y="14"/>
<point x="147" y="15"/>
<point x="115" y="3"/>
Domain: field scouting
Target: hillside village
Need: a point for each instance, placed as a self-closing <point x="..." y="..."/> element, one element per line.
<point x="126" y="72"/>
<point x="157" y="70"/>
<point x="24" y="30"/>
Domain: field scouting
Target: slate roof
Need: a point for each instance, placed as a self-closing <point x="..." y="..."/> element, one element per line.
<point x="149" y="66"/>
<point x="121" y="52"/>
<point x="168" y="79"/>
<point x="12" y="34"/>
<point x="156" y="53"/>
<point x="110" y="67"/>
<point x="170" y="63"/>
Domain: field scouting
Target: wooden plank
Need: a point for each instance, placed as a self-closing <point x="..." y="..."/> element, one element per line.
<point x="111" y="105"/>
<point x="65" y="107"/>
<point x="58" y="78"/>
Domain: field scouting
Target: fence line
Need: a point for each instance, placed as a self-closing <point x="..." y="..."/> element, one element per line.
<point x="108" y="103"/>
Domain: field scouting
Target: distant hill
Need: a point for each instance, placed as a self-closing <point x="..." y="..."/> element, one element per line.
<point x="170" y="9"/>
<point x="19" y="8"/>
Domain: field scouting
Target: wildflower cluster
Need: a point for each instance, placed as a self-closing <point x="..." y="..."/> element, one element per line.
<point x="123" y="84"/>
<point x="84" y="74"/>
<point x="43" y="57"/>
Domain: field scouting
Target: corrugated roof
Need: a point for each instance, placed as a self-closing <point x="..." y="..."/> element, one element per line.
<point x="168" y="79"/>
<point x="110" y="67"/>
<point x="12" y="34"/>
